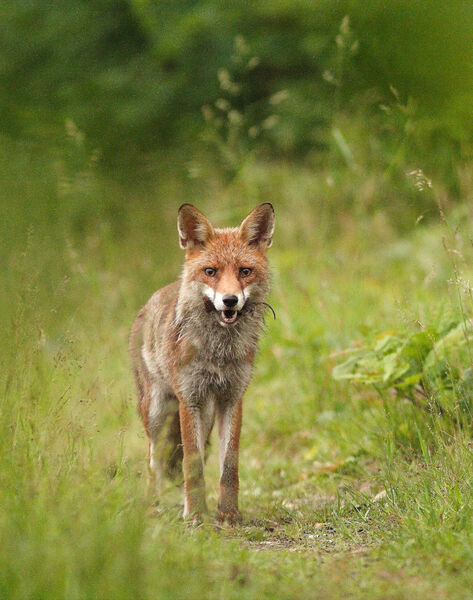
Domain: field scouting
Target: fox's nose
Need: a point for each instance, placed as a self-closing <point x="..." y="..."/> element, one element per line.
<point x="230" y="301"/>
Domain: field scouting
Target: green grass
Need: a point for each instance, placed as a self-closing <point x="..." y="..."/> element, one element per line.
<point x="345" y="493"/>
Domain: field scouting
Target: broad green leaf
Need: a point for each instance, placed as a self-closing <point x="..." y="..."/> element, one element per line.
<point x="346" y="369"/>
<point x="394" y="367"/>
<point x="387" y="343"/>
<point x="451" y="353"/>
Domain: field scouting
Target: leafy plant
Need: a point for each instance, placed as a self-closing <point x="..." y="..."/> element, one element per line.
<point x="431" y="367"/>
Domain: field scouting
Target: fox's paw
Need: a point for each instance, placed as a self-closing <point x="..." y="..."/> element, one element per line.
<point x="197" y="514"/>
<point x="194" y="520"/>
<point x="231" y="517"/>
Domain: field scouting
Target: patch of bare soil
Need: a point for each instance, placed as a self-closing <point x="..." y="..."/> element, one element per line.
<point x="320" y="538"/>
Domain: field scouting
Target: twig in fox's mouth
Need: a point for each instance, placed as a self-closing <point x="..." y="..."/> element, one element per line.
<point x="267" y="306"/>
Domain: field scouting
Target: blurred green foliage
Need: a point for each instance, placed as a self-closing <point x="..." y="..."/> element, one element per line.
<point x="134" y="74"/>
<point x="431" y="367"/>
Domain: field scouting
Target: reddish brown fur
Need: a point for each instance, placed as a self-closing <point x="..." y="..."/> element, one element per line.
<point x="228" y="497"/>
<point x="193" y="469"/>
<point x="226" y="252"/>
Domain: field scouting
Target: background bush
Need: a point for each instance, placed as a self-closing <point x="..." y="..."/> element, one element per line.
<point x="133" y="75"/>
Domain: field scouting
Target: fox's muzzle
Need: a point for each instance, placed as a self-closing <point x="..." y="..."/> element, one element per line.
<point x="225" y="301"/>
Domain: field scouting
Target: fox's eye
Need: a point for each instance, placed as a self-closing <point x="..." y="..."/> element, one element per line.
<point x="210" y="271"/>
<point x="245" y="271"/>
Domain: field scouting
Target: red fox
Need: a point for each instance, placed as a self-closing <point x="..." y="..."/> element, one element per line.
<point x="192" y="348"/>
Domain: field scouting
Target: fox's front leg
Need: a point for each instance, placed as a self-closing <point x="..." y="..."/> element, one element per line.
<point x="229" y="423"/>
<point x="193" y="461"/>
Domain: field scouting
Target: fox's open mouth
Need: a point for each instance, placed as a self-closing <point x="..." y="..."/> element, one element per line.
<point x="228" y="317"/>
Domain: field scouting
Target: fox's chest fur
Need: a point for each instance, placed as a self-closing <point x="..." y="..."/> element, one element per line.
<point x="212" y="360"/>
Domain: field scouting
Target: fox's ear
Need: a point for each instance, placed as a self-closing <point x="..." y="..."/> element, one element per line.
<point x="258" y="226"/>
<point x="193" y="227"/>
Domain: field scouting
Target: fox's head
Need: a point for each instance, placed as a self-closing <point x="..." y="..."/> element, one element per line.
<point x="226" y="270"/>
